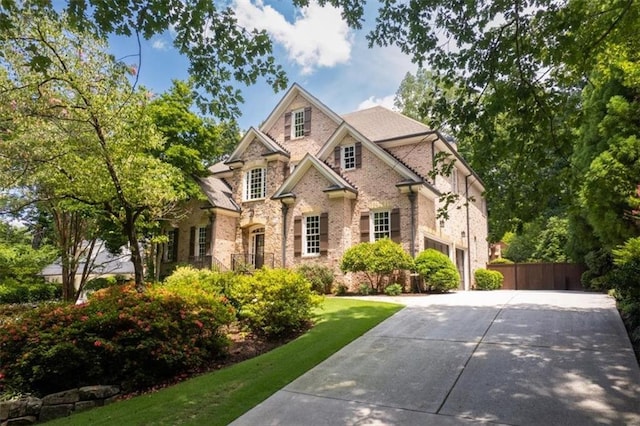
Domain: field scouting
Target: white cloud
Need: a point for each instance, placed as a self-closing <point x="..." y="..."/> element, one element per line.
<point x="317" y="38"/>
<point x="159" y="44"/>
<point x="386" y="101"/>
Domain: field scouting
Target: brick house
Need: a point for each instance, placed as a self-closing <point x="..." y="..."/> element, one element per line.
<point x="308" y="184"/>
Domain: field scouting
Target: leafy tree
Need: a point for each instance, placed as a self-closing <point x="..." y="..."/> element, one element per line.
<point x="206" y="32"/>
<point x="80" y="132"/>
<point x="19" y="261"/>
<point x="376" y="260"/>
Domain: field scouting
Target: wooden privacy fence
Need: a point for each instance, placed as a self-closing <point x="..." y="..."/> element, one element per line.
<point x="540" y="276"/>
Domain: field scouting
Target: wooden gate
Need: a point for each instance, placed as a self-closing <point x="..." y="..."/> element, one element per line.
<point x="540" y="276"/>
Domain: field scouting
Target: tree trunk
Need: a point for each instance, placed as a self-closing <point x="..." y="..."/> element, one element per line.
<point x="136" y="255"/>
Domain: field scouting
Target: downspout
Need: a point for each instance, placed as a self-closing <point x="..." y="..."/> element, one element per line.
<point x="433" y="157"/>
<point x="412" y="247"/>
<point x="212" y="221"/>
<point x="285" y="210"/>
<point x="466" y="190"/>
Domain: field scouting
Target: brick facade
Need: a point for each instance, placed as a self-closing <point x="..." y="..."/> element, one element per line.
<point x="304" y="176"/>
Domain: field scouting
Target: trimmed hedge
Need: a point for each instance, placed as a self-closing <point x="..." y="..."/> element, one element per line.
<point x="487" y="279"/>
<point x="437" y="270"/>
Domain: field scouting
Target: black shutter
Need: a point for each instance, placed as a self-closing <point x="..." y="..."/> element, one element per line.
<point x="192" y="241"/>
<point x="307" y="121"/>
<point x="336" y="156"/>
<point x="208" y="235"/>
<point x="364" y="227"/>
<point x="176" y="236"/>
<point x="287" y="126"/>
<point x="358" y="155"/>
<point x="297" y="236"/>
<point x="395" y="225"/>
<point x="324" y="234"/>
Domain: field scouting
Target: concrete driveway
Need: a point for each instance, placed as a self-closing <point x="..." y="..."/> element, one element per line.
<point x="505" y="357"/>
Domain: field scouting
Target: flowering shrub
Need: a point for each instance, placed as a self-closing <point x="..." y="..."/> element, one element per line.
<point x="275" y="302"/>
<point x="119" y="337"/>
<point x="487" y="279"/>
<point x="438" y="271"/>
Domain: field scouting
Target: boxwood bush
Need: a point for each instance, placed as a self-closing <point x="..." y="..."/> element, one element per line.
<point x="437" y="270"/>
<point x="275" y="302"/>
<point x="119" y="337"/>
<point x="487" y="279"/>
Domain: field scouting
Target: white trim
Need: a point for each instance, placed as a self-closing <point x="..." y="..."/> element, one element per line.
<point x="305" y="246"/>
<point x="372" y="227"/>
<point x="295" y="113"/>
<point x="246" y="184"/>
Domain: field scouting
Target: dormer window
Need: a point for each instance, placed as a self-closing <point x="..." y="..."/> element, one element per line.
<point x="297" y="123"/>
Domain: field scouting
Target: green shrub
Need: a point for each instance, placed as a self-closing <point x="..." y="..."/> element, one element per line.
<point x="275" y="302"/>
<point x="341" y="290"/>
<point x="201" y="286"/>
<point x="320" y="277"/>
<point x="393" y="290"/>
<point x="364" y="289"/>
<point x="376" y="260"/>
<point x="119" y="337"/>
<point x="501" y="261"/>
<point x="437" y="270"/>
<point x="100" y="283"/>
<point x="35" y="290"/>
<point x="488" y="280"/>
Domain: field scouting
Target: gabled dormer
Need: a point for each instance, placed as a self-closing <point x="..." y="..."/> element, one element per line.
<point x="300" y="123"/>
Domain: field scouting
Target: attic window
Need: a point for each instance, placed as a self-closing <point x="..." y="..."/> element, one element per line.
<point x="349" y="157"/>
<point x="297" y="123"/>
<point x="297" y="129"/>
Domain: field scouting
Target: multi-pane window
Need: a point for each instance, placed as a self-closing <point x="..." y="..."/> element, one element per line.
<point x="255" y="184"/>
<point x="297" y="130"/>
<point x="381" y="225"/>
<point x="349" y="157"/>
<point x="170" y="246"/>
<point x="312" y="234"/>
<point x="201" y="248"/>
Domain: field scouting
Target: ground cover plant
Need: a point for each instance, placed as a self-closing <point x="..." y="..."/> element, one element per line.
<point x="219" y="397"/>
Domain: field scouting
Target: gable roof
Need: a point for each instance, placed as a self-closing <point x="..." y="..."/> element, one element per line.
<point x="282" y="106"/>
<point x="253" y="133"/>
<point x="218" y="193"/>
<point x="336" y="181"/>
<point x="396" y="126"/>
<point x="346" y="129"/>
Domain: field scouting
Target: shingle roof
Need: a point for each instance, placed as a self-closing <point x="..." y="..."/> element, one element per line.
<point x="104" y="263"/>
<point x="396" y="126"/>
<point x="218" y="193"/>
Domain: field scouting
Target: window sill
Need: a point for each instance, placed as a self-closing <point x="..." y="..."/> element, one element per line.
<point x="309" y="256"/>
<point x="254" y="200"/>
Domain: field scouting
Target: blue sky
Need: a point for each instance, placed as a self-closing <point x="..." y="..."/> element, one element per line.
<point x="313" y="44"/>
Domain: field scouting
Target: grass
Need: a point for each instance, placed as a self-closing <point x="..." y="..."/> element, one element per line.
<point x="219" y="397"/>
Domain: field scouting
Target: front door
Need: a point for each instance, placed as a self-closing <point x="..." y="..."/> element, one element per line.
<point x="258" y="247"/>
<point x="460" y="266"/>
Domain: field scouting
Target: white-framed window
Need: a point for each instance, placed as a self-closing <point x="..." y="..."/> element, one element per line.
<point x="201" y="242"/>
<point x="454" y="180"/>
<point x="348" y="157"/>
<point x="169" y="247"/>
<point x="255" y="184"/>
<point x="297" y="128"/>
<point x="311" y="235"/>
<point x="381" y="225"/>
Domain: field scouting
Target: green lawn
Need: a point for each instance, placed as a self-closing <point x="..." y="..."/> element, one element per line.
<point x="220" y="397"/>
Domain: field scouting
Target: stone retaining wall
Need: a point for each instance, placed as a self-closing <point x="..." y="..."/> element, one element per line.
<point x="29" y="410"/>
